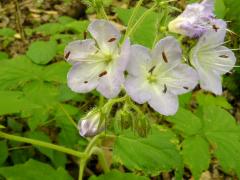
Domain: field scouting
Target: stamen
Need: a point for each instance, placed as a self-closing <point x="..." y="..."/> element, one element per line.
<point x="223" y="56"/>
<point x="67" y="55"/>
<point x="102" y="74"/>
<point x="215" y="27"/>
<point x="112" y="39"/>
<point x="165" y="88"/>
<point x="85" y="82"/>
<point x="152" y="69"/>
<point x="164" y="57"/>
<point x="84" y="35"/>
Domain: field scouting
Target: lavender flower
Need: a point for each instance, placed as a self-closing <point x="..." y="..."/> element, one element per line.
<point x="157" y="77"/>
<point x="99" y="62"/>
<point x="195" y="20"/>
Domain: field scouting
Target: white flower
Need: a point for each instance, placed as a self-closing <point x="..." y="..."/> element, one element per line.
<point x="195" y="20"/>
<point x="157" y="77"/>
<point x="89" y="126"/>
<point x="99" y="62"/>
<point x="211" y="60"/>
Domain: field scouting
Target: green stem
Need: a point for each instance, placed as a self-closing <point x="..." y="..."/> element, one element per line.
<point x="101" y="158"/>
<point x="145" y="14"/>
<point x="82" y="164"/>
<point x="42" y="144"/>
<point x="68" y="116"/>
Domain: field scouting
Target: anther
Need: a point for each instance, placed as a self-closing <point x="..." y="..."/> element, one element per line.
<point x="112" y="39"/>
<point x="102" y="74"/>
<point x="223" y="56"/>
<point x="84" y="35"/>
<point x="215" y="27"/>
<point x="152" y="69"/>
<point x="164" y="57"/>
<point x="185" y="87"/>
<point x="85" y="82"/>
<point x="67" y="55"/>
<point x="165" y="88"/>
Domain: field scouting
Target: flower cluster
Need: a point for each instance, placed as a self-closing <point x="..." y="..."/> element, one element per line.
<point x="154" y="76"/>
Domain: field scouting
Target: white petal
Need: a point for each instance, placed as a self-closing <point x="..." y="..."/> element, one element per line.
<point x="78" y="50"/>
<point x="164" y="103"/>
<point x="139" y="59"/>
<point x="224" y="61"/>
<point x="105" y="34"/>
<point x="110" y="84"/>
<point x="181" y="79"/>
<point x="213" y="38"/>
<point x="167" y="51"/>
<point x="210" y="80"/>
<point x="84" y="77"/>
<point x="138" y="89"/>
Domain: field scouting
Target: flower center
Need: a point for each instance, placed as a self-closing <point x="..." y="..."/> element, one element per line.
<point x="152" y="78"/>
<point x="108" y="57"/>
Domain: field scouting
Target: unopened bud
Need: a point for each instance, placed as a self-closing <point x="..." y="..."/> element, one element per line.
<point x="90" y="125"/>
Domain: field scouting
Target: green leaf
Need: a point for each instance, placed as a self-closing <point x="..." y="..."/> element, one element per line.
<point x="116" y="175"/>
<point x="152" y="154"/>
<point x="42" y="52"/>
<point x="65" y="19"/>
<point x="56" y="72"/>
<point x="196" y="155"/>
<point x="42" y="137"/>
<point x="50" y="28"/>
<point x="220" y="9"/>
<point x="7" y="32"/>
<point x="34" y="170"/>
<point x="17" y="71"/>
<point x="146" y="31"/>
<point x="15" y="125"/>
<point x="3" y="151"/>
<point x="2" y="127"/>
<point x="208" y="99"/>
<point x="11" y="102"/>
<point x="3" y="55"/>
<point x="222" y="132"/>
<point x="77" y="27"/>
<point x="186" y="122"/>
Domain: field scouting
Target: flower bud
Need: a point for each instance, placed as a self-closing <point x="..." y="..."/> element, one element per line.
<point x="89" y="126"/>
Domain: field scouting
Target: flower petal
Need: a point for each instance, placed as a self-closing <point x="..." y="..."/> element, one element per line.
<point x="209" y="80"/>
<point x="139" y="59"/>
<point x="181" y="79"/>
<point x="78" y="50"/>
<point x="105" y="34"/>
<point x="84" y="77"/>
<point x="167" y="51"/>
<point x="164" y="103"/>
<point x="138" y="89"/>
<point x="110" y="84"/>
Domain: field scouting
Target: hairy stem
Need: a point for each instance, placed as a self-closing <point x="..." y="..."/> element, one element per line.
<point x="18" y="20"/>
<point x="42" y="144"/>
<point x="101" y="158"/>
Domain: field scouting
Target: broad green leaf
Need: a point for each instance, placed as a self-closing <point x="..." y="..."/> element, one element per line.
<point x="220" y="9"/>
<point x="196" y="155"/>
<point x="56" y="72"/>
<point x="14" y="125"/>
<point x="77" y="27"/>
<point x="3" y="151"/>
<point x="146" y="31"/>
<point x="186" y="122"/>
<point x="208" y="99"/>
<point x="7" y="32"/>
<point x="34" y="170"/>
<point x="50" y="28"/>
<point x="184" y="99"/>
<point x="42" y="137"/>
<point x="12" y="102"/>
<point x="117" y="175"/>
<point x="3" y="55"/>
<point x="157" y="152"/>
<point x="18" y="71"/>
<point x="59" y="159"/>
<point x="65" y="19"/>
<point x="222" y="132"/>
<point x="42" y="52"/>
